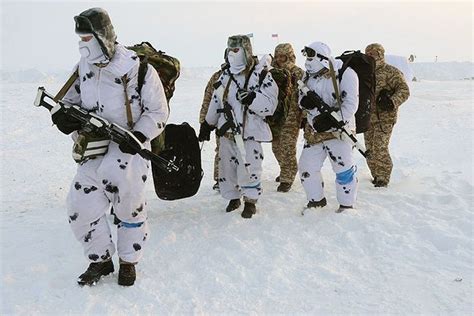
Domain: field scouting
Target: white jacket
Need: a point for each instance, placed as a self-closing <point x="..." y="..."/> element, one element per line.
<point x="349" y="92"/>
<point x="264" y="104"/>
<point x="101" y="90"/>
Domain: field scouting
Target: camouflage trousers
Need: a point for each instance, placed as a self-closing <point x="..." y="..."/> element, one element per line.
<point x="377" y="140"/>
<point x="284" y="149"/>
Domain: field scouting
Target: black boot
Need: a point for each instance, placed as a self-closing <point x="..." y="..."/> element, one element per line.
<point x="249" y="210"/>
<point x="127" y="274"/>
<point x="233" y="205"/>
<point x="95" y="271"/>
<point x="284" y="187"/>
<point x="321" y="203"/>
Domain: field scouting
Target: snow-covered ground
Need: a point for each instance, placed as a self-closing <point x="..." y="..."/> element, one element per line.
<point x="406" y="249"/>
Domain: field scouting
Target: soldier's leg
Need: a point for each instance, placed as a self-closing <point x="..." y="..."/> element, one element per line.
<point x="311" y="162"/>
<point x="381" y="160"/>
<point x="289" y="165"/>
<point x="277" y="150"/>
<point x="369" y="146"/>
<point x="228" y="185"/>
<point x="124" y="178"/>
<point x="250" y="176"/>
<point x="87" y="206"/>
<point x="216" y="160"/>
<point x="341" y="156"/>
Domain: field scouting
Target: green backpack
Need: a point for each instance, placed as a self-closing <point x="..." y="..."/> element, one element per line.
<point x="282" y="78"/>
<point x="168" y="69"/>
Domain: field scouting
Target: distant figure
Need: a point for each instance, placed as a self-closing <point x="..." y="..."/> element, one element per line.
<point x="411" y="58"/>
<point x="436" y="59"/>
<point x="391" y="91"/>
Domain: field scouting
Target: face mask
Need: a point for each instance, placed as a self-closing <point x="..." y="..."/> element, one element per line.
<point x="237" y="60"/>
<point x="313" y="65"/>
<point x="92" y="52"/>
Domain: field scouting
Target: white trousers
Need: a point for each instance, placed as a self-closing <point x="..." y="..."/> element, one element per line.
<point x="235" y="178"/>
<point x="116" y="180"/>
<point x="340" y="155"/>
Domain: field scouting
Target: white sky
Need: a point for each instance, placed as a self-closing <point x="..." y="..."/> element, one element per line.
<point x="41" y="34"/>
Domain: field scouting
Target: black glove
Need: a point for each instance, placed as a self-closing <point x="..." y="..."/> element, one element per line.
<point x="323" y="122"/>
<point x="310" y="100"/>
<point x="130" y="149"/>
<point x="205" y="131"/>
<point x="65" y="123"/>
<point x="384" y="102"/>
<point x="245" y="97"/>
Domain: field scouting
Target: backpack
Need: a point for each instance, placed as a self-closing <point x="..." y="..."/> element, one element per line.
<point x="177" y="143"/>
<point x="364" y="66"/>
<point x="283" y="80"/>
<point x="181" y="146"/>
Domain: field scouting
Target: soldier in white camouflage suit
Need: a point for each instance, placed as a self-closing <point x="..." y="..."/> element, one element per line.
<point x="391" y="91"/>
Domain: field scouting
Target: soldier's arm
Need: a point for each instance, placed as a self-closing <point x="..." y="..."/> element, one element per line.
<point x="266" y="99"/>
<point x="207" y="96"/>
<point x="399" y="86"/>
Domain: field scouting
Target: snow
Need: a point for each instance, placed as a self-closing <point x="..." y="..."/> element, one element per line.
<point x="406" y="249"/>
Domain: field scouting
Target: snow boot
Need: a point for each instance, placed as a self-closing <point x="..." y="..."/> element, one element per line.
<point x="127" y="274"/>
<point x="380" y="183"/>
<point x="249" y="210"/>
<point x="95" y="271"/>
<point x="342" y="208"/>
<point x="284" y="187"/>
<point x="321" y="203"/>
<point x="233" y="205"/>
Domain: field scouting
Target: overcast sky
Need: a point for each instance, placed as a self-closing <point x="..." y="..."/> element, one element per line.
<point x="41" y="34"/>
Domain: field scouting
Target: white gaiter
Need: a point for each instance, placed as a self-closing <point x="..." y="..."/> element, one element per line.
<point x="237" y="61"/>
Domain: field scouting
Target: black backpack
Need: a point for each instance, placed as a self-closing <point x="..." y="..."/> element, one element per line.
<point x="182" y="147"/>
<point x="364" y="66"/>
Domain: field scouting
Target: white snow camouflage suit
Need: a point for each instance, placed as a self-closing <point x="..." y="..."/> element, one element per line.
<point x="320" y="145"/>
<point x="234" y="179"/>
<point x="116" y="179"/>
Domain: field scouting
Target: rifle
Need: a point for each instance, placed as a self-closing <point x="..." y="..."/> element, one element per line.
<point x="231" y="123"/>
<point x="335" y="117"/>
<point x="93" y="123"/>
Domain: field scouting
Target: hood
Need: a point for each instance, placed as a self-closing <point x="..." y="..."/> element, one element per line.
<point x="287" y="50"/>
<point x="378" y="53"/>
<point x="96" y="21"/>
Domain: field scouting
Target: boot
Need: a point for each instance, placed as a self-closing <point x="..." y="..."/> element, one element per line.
<point x="233" y="205"/>
<point x="277" y="179"/>
<point x="284" y="187"/>
<point x="321" y="203"/>
<point x="249" y="210"/>
<point x="380" y="183"/>
<point x="342" y="208"/>
<point x="127" y="274"/>
<point x="95" y="271"/>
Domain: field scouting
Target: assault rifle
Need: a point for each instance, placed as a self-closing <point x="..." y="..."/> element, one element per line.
<point x="231" y="123"/>
<point x="335" y="117"/>
<point x="93" y="123"/>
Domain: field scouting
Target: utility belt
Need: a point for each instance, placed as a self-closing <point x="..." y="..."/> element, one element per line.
<point x="89" y="146"/>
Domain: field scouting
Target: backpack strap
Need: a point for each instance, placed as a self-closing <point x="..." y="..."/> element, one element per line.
<point x="332" y="72"/>
<point x="142" y="69"/>
<point x="128" y="109"/>
<point x="67" y="85"/>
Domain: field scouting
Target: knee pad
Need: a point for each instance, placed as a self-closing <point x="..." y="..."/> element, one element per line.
<point x="347" y="176"/>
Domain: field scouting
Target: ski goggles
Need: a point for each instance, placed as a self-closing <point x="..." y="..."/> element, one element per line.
<point x="311" y="53"/>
